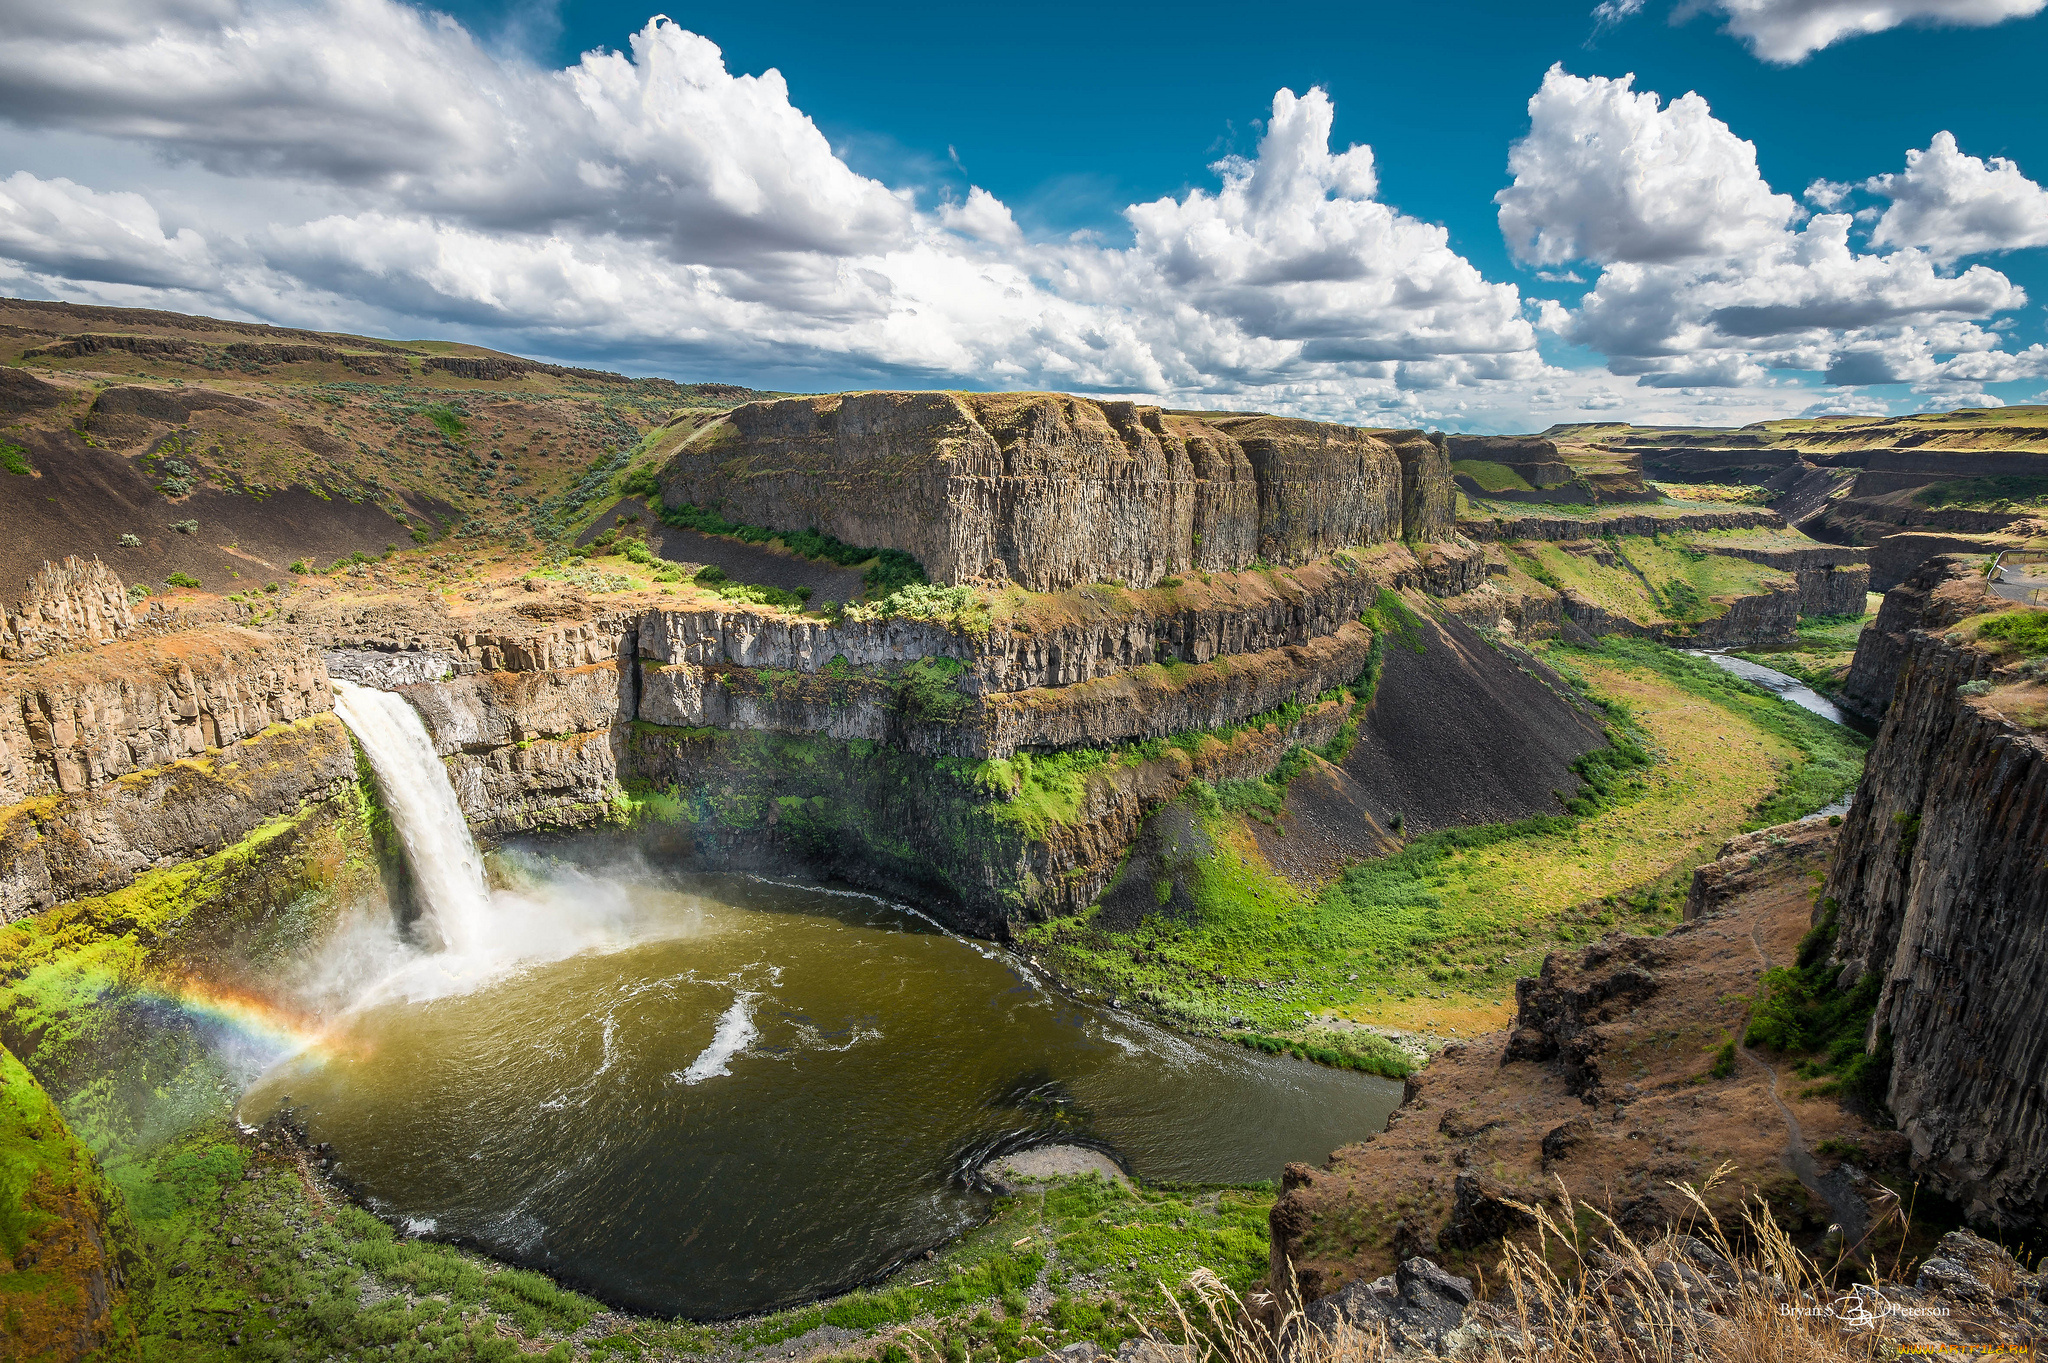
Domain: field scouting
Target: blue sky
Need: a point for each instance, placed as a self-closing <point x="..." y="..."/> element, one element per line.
<point x="427" y="200"/>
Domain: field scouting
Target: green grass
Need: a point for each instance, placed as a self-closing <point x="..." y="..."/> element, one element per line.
<point x="1656" y="578"/>
<point x="1440" y="916"/>
<point x="14" y="459"/>
<point x="1492" y="477"/>
<point x="2020" y="633"/>
<point x="1799" y="1010"/>
<point x="446" y="419"/>
<point x="1833" y="755"/>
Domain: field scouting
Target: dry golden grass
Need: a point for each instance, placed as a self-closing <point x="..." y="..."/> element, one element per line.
<point x="1585" y="1291"/>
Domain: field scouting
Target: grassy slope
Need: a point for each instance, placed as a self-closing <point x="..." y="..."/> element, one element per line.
<point x="1664" y="562"/>
<point x="1433" y="938"/>
<point x="514" y="457"/>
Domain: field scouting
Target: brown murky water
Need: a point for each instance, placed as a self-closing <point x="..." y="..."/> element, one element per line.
<point x="742" y="1094"/>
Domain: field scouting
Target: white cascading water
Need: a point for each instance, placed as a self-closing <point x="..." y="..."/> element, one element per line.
<point x="467" y="934"/>
<point x="447" y="870"/>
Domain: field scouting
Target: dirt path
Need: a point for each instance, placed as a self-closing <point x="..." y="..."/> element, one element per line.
<point x="1847" y="1209"/>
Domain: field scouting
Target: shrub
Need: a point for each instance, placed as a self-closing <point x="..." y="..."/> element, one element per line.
<point x="181" y="580"/>
<point x="270" y="588"/>
<point x="710" y="575"/>
<point x="2022" y="632"/>
<point x="445" y="418"/>
<point x="131" y="541"/>
<point x="1724" y="1061"/>
<point x="1800" y="1011"/>
<point x="137" y="590"/>
<point x="928" y="690"/>
<point x="14" y="459"/>
<point x="185" y="527"/>
<point x="641" y="482"/>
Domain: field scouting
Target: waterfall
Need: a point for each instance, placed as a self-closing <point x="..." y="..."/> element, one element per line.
<point x="447" y="871"/>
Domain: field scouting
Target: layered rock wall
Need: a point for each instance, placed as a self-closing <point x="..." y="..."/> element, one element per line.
<point x="1933" y="597"/>
<point x="1573" y="527"/>
<point x="895" y="822"/>
<point x="1940" y="888"/>
<point x="78" y="722"/>
<point x="70" y="605"/>
<point x="55" y="848"/>
<point x="1051" y="491"/>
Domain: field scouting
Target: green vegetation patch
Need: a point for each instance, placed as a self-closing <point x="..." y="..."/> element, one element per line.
<point x="1800" y="1011"/>
<point x="888" y="570"/>
<point x="1449" y="915"/>
<point x="1648" y="579"/>
<point x="446" y="419"/>
<point x="14" y="459"/>
<point x="1833" y="755"/>
<point x="2022" y="633"/>
<point x="1060" y="1263"/>
<point x="1492" y="477"/>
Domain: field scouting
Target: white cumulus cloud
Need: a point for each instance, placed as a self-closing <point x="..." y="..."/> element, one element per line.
<point x="1709" y="278"/>
<point x="370" y="164"/>
<point x="1789" y="31"/>
<point x="1955" y="205"/>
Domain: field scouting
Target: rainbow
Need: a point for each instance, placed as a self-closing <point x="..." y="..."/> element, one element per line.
<point x="240" y="1018"/>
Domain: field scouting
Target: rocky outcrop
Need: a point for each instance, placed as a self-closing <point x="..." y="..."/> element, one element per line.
<point x="535" y="748"/>
<point x="1938" y="890"/>
<point x="1426" y="499"/>
<point x="1493" y="528"/>
<point x="1894" y="557"/>
<point x="1415" y="1307"/>
<point x="79" y="722"/>
<point x="1606" y="1091"/>
<point x="74" y="604"/>
<point x="1051" y="491"/>
<point x="1757" y="858"/>
<point x="152" y="750"/>
<point x="21" y="391"/>
<point x="1934" y="596"/>
<point x="1560" y="1014"/>
<point x="55" y="848"/>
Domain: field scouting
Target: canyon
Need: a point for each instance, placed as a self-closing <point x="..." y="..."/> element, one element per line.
<point x="1141" y="649"/>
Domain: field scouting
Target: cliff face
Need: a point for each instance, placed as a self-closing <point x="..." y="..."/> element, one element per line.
<point x="1941" y="887"/>
<point x="67" y="606"/>
<point x="1934" y="596"/>
<point x="152" y="750"/>
<point x="68" y="1252"/>
<point x="1571" y="528"/>
<point x="1051" y="491"/>
<point x="896" y="822"/>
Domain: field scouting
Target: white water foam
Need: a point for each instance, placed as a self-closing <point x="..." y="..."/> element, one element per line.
<point x="736" y="1031"/>
<point x="446" y="867"/>
<point x="466" y="935"/>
